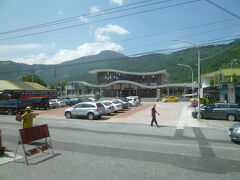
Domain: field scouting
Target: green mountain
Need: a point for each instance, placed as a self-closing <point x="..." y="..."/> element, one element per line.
<point x="213" y="57"/>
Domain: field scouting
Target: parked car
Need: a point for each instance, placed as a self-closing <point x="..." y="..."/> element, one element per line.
<point x="117" y="106"/>
<point x="39" y="102"/>
<point x="132" y="101"/>
<point x="109" y="107"/>
<point x="59" y="102"/>
<point x="227" y="111"/>
<point x="91" y="99"/>
<point x="66" y="100"/>
<point x="76" y="100"/>
<point x="53" y="103"/>
<point x="138" y="99"/>
<point x="234" y="132"/>
<point x="125" y="104"/>
<point x="91" y="110"/>
<point x="170" y="99"/>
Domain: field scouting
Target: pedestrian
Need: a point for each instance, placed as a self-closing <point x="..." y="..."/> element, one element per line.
<point x="154" y="112"/>
<point x="27" y="117"/>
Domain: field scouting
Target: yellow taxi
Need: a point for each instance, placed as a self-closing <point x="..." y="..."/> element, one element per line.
<point x="170" y="99"/>
<point x="194" y="99"/>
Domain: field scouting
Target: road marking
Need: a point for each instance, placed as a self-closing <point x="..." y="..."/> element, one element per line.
<point x="9" y="157"/>
<point x="186" y="119"/>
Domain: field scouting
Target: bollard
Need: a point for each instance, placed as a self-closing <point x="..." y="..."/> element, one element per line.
<point x="1" y="147"/>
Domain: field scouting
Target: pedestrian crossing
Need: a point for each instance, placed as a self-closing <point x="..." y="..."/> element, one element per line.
<point x="186" y="119"/>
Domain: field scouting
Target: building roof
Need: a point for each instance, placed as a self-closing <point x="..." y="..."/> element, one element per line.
<point x="131" y="73"/>
<point x="225" y="72"/>
<point x="8" y="84"/>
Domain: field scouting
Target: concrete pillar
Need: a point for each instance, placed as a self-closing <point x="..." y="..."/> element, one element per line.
<point x="168" y="91"/>
<point x="231" y="93"/>
<point x="158" y="94"/>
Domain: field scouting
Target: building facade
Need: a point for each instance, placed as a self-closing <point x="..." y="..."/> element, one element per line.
<point x="123" y="83"/>
<point x="221" y="86"/>
<point x="116" y="83"/>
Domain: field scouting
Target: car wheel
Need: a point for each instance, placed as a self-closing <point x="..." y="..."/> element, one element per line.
<point x="90" y="116"/>
<point x="231" y="117"/>
<point x="68" y="115"/>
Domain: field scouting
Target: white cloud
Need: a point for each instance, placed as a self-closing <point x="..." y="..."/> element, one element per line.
<point x="83" y="19"/>
<point x="63" y="55"/>
<point x="118" y="2"/>
<point x="60" y="12"/>
<point x="179" y="45"/>
<point x="101" y="33"/>
<point x="94" y="9"/>
<point x="28" y="46"/>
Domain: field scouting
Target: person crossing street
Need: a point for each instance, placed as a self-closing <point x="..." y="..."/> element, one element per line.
<point x="154" y="112"/>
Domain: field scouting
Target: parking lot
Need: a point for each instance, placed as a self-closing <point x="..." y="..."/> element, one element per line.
<point x="171" y="114"/>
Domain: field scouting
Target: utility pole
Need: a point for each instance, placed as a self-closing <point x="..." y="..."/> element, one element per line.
<point x="32" y="76"/>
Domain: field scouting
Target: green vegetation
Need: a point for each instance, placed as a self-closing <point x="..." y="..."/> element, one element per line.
<point x="33" y="78"/>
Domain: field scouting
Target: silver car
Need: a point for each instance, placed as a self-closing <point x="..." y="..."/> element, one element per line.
<point x="227" y="111"/>
<point x="234" y="132"/>
<point x="109" y="107"/>
<point x="91" y="110"/>
<point x="117" y="106"/>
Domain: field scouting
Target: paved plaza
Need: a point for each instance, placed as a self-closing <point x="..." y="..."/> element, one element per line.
<point x="125" y="146"/>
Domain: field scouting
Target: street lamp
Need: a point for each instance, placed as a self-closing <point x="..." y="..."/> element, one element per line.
<point x="191" y="71"/>
<point x="199" y="72"/>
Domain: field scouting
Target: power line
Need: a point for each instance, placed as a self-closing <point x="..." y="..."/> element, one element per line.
<point x="209" y="42"/>
<point x="190" y="35"/>
<point x="166" y="32"/>
<point x="117" y="17"/>
<point x="89" y="15"/>
<point x="229" y="12"/>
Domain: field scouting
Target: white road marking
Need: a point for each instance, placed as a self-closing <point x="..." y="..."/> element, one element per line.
<point x="9" y="157"/>
<point x="186" y="119"/>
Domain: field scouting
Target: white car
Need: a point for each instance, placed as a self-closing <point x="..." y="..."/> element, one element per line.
<point x="91" y="110"/>
<point x="109" y="107"/>
<point x="117" y="106"/>
<point x="137" y="99"/>
<point x="132" y="101"/>
<point x="59" y="102"/>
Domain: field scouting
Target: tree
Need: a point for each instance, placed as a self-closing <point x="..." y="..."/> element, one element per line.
<point x="33" y="78"/>
<point x="61" y="85"/>
<point x="234" y="78"/>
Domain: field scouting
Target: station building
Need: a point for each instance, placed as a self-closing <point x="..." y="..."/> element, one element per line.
<point x="117" y="83"/>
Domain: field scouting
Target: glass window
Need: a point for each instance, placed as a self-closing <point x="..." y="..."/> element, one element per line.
<point x="78" y="106"/>
<point x="99" y="105"/>
<point x="88" y="106"/>
<point x="234" y="106"/>
<point x="221" y="106"/>
<point x="28" y="92"/>
<point x="107" y="103"/>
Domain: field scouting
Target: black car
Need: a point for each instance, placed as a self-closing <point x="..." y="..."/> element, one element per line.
<point x="234" y="132"/>
<point x="73" y="101"/>
<point x="39" y="102"/>
<point x="66" y="100"/>
<point x="227" y="111"/>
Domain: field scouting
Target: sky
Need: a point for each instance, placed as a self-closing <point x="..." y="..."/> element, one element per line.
<point x="55" y="31"/>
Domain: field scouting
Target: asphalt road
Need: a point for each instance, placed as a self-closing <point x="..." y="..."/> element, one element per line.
<point x="105" y="150"/>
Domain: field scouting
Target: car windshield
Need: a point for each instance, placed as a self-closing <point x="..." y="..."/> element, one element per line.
<point x="107" y="103"/>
